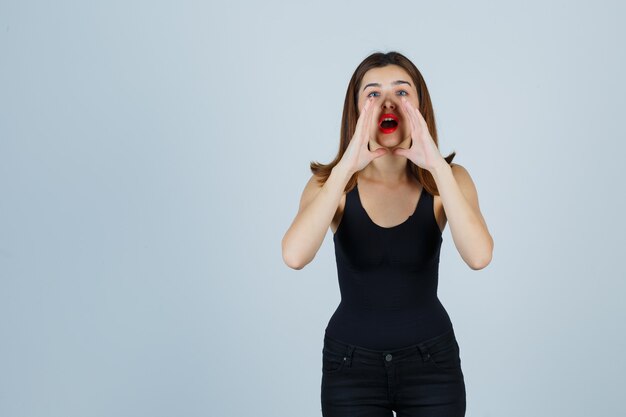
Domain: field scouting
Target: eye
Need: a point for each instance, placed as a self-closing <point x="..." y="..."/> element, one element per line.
<point x="373" y="92"/>
<point x="402" y="91"/>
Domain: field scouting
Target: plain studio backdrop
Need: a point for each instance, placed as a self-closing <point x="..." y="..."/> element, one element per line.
<point x="153" y="154"/>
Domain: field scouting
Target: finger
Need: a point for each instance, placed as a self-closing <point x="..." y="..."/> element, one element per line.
<point x="379" y="152"/>
<point x="408" y="107"/>
<point x="362" y="112"/>
<point x="401" y="152"/>
<point x="366" y="105"/>
<point x="362" y="117"/>
<point x="419" y="117"/>
<point x="368" y="124"/>
<point x="412" y="117"/>
<point x="404" y="110"/>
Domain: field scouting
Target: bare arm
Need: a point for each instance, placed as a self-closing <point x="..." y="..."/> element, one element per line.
<point x="318" y="206"/>
<point x="460" y="201"/>
<point x="456" y="189"/>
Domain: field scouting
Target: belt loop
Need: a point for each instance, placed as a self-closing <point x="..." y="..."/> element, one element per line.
<point x="424" y="352"/>
<point x="348" y="357"/>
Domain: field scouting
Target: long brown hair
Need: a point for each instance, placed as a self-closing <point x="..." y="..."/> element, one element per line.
<point x="350" y="117"/>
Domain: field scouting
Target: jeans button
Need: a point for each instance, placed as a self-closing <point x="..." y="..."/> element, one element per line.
<point x="388" y="357"/>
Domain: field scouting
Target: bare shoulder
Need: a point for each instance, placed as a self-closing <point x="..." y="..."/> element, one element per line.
<point x="311" y="189"/>
<point x="464" y="179"/>
<point x="468" y="188"/>
<point x="458" y="169"/>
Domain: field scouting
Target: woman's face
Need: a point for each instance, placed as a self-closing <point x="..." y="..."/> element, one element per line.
<point x="387" y="85"/>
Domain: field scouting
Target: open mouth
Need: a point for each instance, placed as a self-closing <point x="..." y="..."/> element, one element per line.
<point x="388" y="123"/>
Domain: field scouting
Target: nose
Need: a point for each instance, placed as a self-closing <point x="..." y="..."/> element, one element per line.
<point x="389" y="103"/>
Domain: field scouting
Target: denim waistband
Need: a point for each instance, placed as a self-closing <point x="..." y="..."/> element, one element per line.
<point x="424" y="348"/>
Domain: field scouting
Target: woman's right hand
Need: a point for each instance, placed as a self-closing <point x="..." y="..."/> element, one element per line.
<point x="357" y="155"/>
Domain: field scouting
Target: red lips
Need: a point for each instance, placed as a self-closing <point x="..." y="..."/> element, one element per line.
<point x="388" y="126"/>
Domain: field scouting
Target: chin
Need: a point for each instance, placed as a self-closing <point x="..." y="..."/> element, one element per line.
<point x="389" y="141"/>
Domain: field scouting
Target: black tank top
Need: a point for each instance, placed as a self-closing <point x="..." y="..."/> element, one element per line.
<point x="388" y="278"/>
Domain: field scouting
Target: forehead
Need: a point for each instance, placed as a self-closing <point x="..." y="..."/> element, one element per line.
<point x="386" y="75"/>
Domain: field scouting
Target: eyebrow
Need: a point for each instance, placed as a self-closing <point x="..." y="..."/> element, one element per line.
<point x="393" y="83"/>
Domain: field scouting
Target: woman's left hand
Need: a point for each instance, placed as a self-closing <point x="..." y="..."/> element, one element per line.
<point x="423" y="151"/>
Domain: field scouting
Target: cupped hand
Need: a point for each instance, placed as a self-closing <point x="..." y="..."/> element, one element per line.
<point x="357" y="155"/>
<point x="423" y="151"/>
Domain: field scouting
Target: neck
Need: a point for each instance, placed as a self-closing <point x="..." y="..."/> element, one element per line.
<point x="387" y="169"/>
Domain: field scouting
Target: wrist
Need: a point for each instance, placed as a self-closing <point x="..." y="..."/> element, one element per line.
<point x="439" y="168"/>
<point x="342" y="171"/>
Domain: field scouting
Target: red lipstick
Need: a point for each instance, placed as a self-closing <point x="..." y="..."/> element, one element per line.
<point x="388" y="123"/>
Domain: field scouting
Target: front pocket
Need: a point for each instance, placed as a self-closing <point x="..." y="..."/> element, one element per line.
<point x="332" y="362"/>
<point x="446" y="357"/>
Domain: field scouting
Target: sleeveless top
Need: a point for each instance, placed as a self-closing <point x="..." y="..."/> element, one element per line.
<point x="388" y="278"/>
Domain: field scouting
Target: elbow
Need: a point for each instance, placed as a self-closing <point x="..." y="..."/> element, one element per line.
<point x="290" y="259"/>
<point x="293" y="263"/>
<point x="479" y="264"/>
<point x="482" y="262"/>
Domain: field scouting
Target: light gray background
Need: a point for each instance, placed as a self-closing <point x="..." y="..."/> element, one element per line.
<point x="153" y="154"/>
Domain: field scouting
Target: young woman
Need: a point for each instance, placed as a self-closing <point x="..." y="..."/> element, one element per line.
<point x="387" y="196"/>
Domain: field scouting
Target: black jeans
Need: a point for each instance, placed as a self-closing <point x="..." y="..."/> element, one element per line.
<point x="422" y="380"/>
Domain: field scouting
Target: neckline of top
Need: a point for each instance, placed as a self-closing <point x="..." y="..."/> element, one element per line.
<point x="419" y="199"/>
